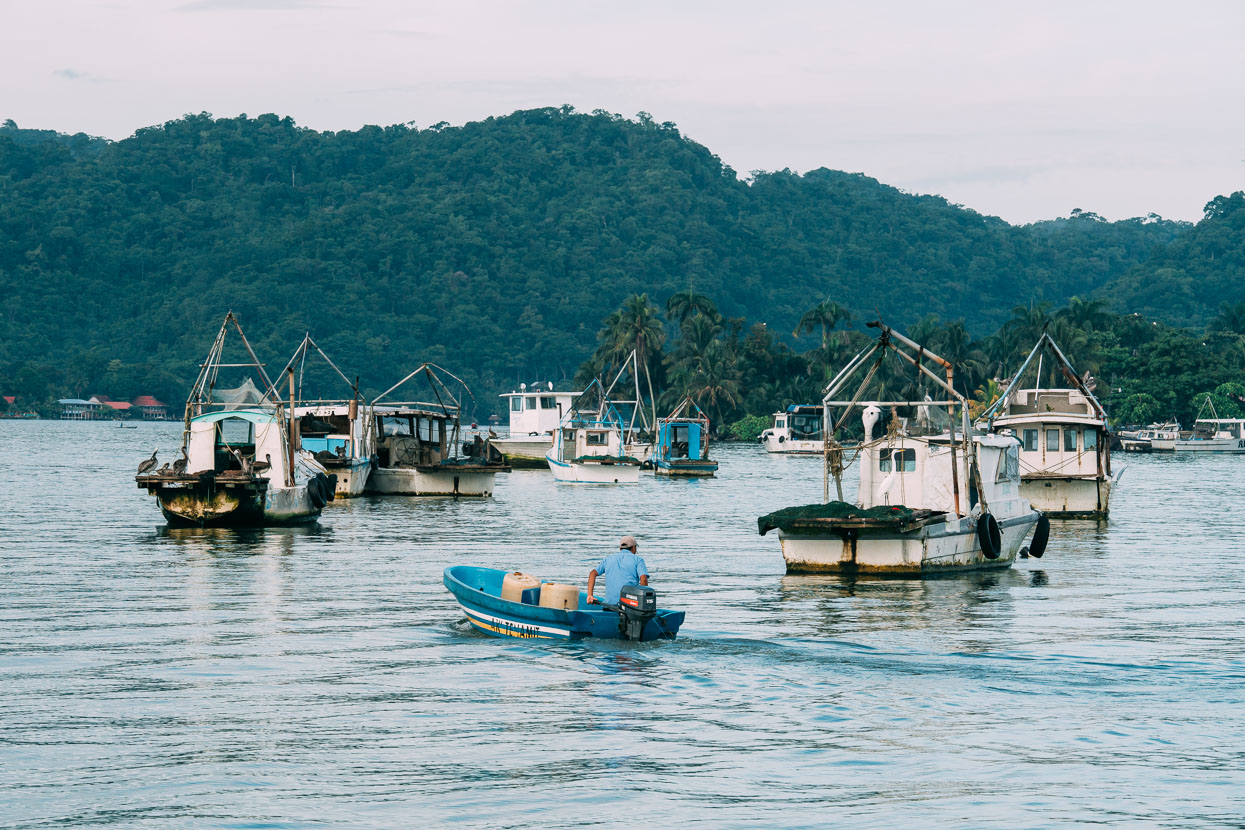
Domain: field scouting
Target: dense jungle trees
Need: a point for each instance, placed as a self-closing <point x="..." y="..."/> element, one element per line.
<point x="496" y="247"/>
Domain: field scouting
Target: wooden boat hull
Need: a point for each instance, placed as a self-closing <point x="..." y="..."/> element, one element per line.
<point x="527" y="453"/>
<point x="477" y="592"/>
<point x="936" y="548"/>
<point x="1068" y="498"/>
<point x="685" y="469"/>
<point x="428" y="481"/>
<point x="216" y="503"/>
<point x="591" y="472"/>
<point x="792" y="446"/>
<point x="1231" y="446"/>
<point x="352" y="475"/>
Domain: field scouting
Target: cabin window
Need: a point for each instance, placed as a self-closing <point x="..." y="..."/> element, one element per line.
<point x="596" y="439"/>
<point x="1052" y="440"/>
<point x="807" y="426"/>
<point x="531" y="403"/>
<point x="548" y="403"/>
<point x="1030" y="440"/>
<point x="1069" y="440"/>
<point x="1091" y="440"/>
<point x="780" y="423"/>
<point x="516" y="404"/>
<point x="568" y="435"/>
<point x="1009" y="465"/>
<point x="235" y="432"/>
<point x="903" y="461"/>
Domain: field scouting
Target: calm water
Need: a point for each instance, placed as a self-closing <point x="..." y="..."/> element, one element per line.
<point x="324" y="677"/>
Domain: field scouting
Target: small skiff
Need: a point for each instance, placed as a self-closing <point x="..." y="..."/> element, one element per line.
<point x="479" y="590"/>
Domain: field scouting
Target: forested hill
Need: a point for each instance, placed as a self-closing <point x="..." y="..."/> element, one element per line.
<point x="494" y="248"/>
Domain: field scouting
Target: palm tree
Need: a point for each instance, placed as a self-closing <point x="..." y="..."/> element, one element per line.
<point x="688" y="303"/>
<point x="1089" y="315"/>
<point x="1231" y="318"/>
<point x="826" y="315"/>
<point x="635" y="325"/>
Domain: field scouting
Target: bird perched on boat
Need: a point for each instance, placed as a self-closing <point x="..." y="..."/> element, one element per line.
<point x="179" y="466"/>
<point x="163" y="469"/>
<point x="491" y="434"/>
<point x="147" y="465"/>
<point x="262" y="466"/>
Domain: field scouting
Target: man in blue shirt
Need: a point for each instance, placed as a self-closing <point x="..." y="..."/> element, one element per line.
<point x="619" y="569"/>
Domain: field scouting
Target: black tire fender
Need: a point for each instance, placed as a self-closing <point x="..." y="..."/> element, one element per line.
<point x="315" y="492"/>
<point x="1041" y="535"/>
<point x="989" y="536"/>
<point x="330" y="486"/>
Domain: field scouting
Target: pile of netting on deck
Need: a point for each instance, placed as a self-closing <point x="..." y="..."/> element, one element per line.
<point x="784" y="519"/>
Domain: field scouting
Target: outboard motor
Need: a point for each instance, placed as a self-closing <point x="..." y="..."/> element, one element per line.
<point x="637" y="604"/>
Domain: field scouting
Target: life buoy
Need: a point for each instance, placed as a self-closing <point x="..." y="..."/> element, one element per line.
<point x="1041" y="535"/>
<point x="315" y="492"/>
<point x="989" y="536"/>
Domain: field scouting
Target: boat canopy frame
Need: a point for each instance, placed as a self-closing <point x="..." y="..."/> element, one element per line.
<point x="1045" y="343"/>
<point x="873" y="355"/>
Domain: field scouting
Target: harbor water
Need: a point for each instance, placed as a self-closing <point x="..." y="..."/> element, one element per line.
<point x="323" y="676"/>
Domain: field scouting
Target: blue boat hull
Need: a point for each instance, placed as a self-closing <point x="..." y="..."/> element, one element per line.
<point x="478" y="591"/>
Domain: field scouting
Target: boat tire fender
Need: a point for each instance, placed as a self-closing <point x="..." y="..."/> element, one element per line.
<point x="315" y="493"/>
<point x="330" y="486"/>
<point x="989" y="536"/>
<point x="1041" y="535"/>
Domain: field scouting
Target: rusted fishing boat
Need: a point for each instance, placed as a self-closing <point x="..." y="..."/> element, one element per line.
<point x="683" y="443"/>
<point x="930" y="500"/>
<point x="420" y="445"/>
<point x="240" y="462"/>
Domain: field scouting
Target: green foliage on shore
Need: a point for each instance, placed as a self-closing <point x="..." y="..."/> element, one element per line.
<point x="1144" y="371"/>
<point x="495" y="249"/>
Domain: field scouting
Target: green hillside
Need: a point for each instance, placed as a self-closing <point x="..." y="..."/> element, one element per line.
<point x="495" y="248"/>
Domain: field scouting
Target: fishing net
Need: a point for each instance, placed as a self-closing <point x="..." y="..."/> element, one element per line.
<point x="786" y="518"/>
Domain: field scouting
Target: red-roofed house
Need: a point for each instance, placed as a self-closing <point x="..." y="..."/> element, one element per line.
<point x="151" y="408"/>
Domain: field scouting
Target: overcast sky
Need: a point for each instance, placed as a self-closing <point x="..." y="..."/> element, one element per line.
<point x="1024" y="111"/>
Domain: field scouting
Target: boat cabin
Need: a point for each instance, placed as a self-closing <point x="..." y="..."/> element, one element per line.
<point x="223" y="442"/>
<point x="802" y="423"/>
<point x="1220" y="428"/>
<point x="916" y="472"/>
<point x="536" y="411"/>
<point x="1060" y="433"/>
<point x="411" y="437"/>
<point x="336" y="429"/>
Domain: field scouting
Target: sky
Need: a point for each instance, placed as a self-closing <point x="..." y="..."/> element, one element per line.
<point x="1020" y="110"/>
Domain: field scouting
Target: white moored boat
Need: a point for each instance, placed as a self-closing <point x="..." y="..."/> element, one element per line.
<point x="534" y="416"/>
<point x="795" y="431"/>
<point x="927" y="503"/>
<point x="417" y="445"/>
<point x="1213" y="434"/>
<point x="1154" y="438"/>
<point x="1065" y="455"/>
<point x="588" y="447"/>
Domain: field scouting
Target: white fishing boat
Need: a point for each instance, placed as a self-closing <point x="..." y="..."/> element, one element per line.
<point x="796" y="431"/>
<point x="535" y="413"/>
<point x="336" y="432"/>
<point x="1153" y="438"/>
<point x="417" y="444"/>
<point x="638" y="416"/>
<point x="930" y="501"/>
<point x="1065" y="456"/>
<point x="588" y="447"/>
<point x="1213" y="434"/>
<point x="241" y="464"/>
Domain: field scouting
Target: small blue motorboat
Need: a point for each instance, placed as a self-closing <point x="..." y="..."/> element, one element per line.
<point x="636" y="617"/>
